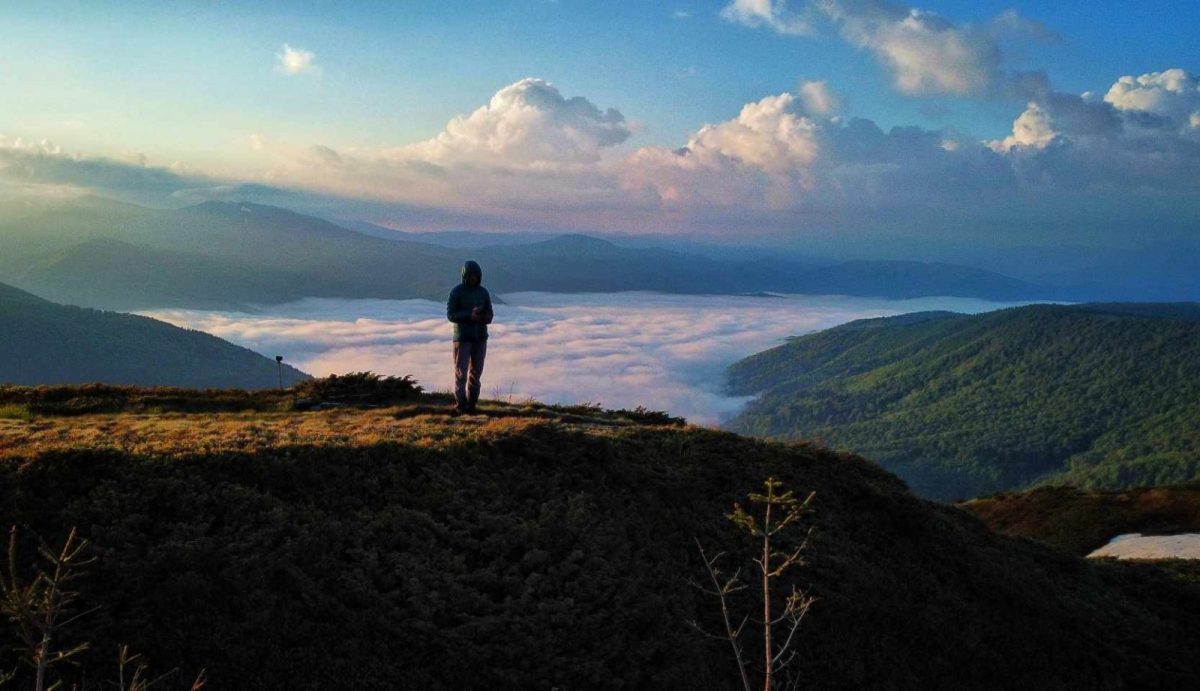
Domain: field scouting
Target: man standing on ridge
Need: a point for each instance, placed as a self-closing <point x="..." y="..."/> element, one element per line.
<point x="470" y="308"/>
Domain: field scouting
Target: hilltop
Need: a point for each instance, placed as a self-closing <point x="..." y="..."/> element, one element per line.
<point x="536" y="547"/>
<point x="42" y="342"/>
<point x="1102" y="395"/>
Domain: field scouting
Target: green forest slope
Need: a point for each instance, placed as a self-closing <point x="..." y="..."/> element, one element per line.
<point x="537" y="547"/>
<point x="959" y="406"/>
<point x="42" y="342"/>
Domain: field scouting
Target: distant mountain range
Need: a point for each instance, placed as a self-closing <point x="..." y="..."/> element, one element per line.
<point x="1100" y="395"/>
<point x="42" y="342"/>
<point x="101" y="253"/>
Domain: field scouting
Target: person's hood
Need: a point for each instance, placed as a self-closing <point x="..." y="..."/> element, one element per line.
<point x="471" y="267"/>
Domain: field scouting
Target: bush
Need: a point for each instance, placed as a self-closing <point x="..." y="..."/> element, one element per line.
<point x="360" y="388"/>
<point x="15" y="411"/>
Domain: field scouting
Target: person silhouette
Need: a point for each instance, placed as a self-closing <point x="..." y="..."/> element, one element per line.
<point x="470" y="308"/>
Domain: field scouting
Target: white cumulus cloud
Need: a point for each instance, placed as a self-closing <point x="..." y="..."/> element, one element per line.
<point x="1032" y="128"/>
<point x="529" y="148"/>
<point x="525" y="123"/>
<point x="760" y="157"/>
<point x="1173" y="94"/>
<point x="769" y="134"/>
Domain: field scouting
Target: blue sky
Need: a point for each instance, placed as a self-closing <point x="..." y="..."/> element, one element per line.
<point x="396" y="72"/>
<point x="200" y="86"/>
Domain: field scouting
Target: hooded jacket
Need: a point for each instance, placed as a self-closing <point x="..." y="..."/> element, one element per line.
<point x="465" y="298"/>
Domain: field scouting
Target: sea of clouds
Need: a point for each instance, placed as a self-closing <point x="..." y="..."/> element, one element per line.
<point x="665" y="352"/>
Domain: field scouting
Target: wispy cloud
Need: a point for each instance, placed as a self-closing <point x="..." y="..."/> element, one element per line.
<point x="771" y="14"/>
<point x="818" y="98"/>
<point x="925" y="52"/>
<point x="294" y="61"/>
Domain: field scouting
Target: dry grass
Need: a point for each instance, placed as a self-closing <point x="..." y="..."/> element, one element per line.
<point x="174" y="433"/>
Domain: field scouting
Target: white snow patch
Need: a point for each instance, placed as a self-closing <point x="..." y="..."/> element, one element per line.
<point x="1138" y="546"/>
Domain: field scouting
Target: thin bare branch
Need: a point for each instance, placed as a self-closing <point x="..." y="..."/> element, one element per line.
<point x="731" y="635"/>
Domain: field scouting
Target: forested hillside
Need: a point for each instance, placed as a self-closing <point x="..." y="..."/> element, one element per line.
<point x="42" y="342"/>
<point x="541" y="547"/>
<point x="959" y="406"/>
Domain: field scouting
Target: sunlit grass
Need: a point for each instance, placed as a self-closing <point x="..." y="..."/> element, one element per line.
<point x="184" y="430"/>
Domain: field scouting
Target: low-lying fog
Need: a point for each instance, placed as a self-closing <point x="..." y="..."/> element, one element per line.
<point x="666" y="352"/>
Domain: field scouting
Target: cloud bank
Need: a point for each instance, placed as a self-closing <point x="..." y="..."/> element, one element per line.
<point x="786" y="165"/>
<point x="1140" y="140"/>
<point x="665" y="352"/>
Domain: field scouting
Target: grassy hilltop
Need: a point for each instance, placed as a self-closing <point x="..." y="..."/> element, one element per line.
<point x="533" y="547"/>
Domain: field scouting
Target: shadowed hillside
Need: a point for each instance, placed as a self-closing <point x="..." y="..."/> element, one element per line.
<point x="541" y="547"/>
<point x="1093" y="395"/>
<point x="42" y="342"/>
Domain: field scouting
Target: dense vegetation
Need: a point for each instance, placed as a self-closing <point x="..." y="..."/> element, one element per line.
<point x="958" y="406"/>
<point x="43" y="342"/>
<point x="538" y="547"/>
<point x="101" y="253"/>
<point x="1084" y="520"/>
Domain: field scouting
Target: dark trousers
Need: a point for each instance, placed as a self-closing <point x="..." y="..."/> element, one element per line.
<point x="468" y="368"/>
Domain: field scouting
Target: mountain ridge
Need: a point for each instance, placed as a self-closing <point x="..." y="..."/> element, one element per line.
<point x="277" y="255"/>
